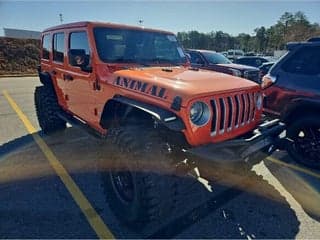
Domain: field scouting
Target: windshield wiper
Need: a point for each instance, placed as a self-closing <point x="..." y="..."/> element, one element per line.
<point x="131" y="60"/>
<point x="164" y="60"/>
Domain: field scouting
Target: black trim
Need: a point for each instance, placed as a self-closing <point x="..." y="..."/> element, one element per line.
<point x="264" y="140"/>
<point x="176" y="103"/>
<point x="44" y="77"/>
<point x="300" y="107"/>
<point x="79" y="124"/>
<point x="167" y="118"/>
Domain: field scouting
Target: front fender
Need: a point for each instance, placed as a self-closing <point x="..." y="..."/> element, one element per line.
<point x="167" y="118"/>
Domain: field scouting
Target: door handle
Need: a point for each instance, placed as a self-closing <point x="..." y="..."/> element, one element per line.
<point x="67" y="77"/>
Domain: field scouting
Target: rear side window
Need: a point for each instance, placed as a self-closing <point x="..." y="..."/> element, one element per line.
<point x="306" y="61"/>
<point x="79" y="40"/>
<point x="58" y="47"/>
<point x="46" y="46"/>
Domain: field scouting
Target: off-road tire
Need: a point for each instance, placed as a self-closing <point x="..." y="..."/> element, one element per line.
<point x="309" y="158"/>
<point x="47" y="107"/>
<point x="140" y="152"/>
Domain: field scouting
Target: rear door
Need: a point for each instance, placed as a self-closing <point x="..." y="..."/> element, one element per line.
<point x="58" y="64"/>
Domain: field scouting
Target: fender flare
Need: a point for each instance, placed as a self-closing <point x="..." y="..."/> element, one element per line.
<point x="167" y="118"/>
<point x="45" y="78"/>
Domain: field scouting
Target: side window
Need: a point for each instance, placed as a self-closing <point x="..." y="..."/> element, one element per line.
<point x="306" y="61"/>
<point x="79" y="40"/>
<point x="196" y="58"/>
<point x="46" y="46"/>
<point x="58" y="47"/>
<point x="78" y="43"/>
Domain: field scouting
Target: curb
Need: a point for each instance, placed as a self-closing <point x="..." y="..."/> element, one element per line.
<point x="19" y="75"/>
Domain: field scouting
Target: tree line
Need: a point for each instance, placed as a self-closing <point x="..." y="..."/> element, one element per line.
<point x="290" y="27"/>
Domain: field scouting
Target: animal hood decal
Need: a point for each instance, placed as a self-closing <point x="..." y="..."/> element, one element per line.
<point x="140" y="86"/>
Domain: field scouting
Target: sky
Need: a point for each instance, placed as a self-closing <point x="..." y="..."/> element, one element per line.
<point x="233" y="17"/>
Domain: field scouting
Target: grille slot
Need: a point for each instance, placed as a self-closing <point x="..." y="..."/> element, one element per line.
<point x="244" y="109"/>
<point x="237" y="110"/>
<point x="214" y="117"/>
<point x="230" y="111"/>
<point x="222" y="113"/>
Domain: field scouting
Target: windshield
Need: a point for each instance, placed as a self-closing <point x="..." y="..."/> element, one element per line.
<point x="135" y="46"/>
<point x="216" y="58"/>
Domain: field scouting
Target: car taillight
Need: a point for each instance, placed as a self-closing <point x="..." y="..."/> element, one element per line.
<point x="267" y="81"/>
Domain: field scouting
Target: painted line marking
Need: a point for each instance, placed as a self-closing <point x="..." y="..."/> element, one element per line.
<point x="90" y="213"/>
<point x="297" y="168"/>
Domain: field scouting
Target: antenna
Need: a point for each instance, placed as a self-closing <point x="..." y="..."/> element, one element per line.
<point x="141" y="22"/>
<point x="60" y="17"/>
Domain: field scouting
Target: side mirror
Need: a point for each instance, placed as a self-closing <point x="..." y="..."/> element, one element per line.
<point x="79" y="58"/>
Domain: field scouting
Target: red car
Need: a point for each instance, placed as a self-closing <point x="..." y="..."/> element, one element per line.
<point x="211" y="60"/>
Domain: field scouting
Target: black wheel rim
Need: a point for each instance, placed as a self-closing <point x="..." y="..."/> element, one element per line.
<point x="306" y="144"/>
<point x="123" y="184"/>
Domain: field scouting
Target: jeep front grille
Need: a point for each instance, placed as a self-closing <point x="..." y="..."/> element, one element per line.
<point x="232" y="112"/>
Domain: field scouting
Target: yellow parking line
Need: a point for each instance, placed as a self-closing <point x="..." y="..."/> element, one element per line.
<point x="300" y="169"/>
<point x="92" y="216"/>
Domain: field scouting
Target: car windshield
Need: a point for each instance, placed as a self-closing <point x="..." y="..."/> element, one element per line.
<point x="137" y="46"/>
<point x="215" y="58"/>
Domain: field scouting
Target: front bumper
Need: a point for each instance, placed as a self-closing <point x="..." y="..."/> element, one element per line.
<point x="263" y="142"/>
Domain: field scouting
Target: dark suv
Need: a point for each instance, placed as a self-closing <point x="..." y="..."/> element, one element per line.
<point x="292" y="90"/>
<point x="211" y="60"/>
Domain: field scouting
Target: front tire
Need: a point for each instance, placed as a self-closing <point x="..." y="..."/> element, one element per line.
<point x="47" y="107"/>
<point x="139" y="181"/>
<point x="305" y="141"/>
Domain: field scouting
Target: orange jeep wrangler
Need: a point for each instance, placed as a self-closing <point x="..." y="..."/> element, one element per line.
<point x="135" y="87"/>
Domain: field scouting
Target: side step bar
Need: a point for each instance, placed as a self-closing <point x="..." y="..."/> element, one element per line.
<point x="80" y="124"/>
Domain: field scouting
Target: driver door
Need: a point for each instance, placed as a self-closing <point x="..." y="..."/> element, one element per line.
<point x="79" y="83"/>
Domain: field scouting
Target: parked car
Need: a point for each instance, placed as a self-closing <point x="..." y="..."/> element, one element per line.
<point x="249" y="54"/>
<point x="292" y="90"/>
<point x="233" y="54"/>
<point x="264" y="68"/>
<point x="211" y="60"/>
<point x="251" y="61"/>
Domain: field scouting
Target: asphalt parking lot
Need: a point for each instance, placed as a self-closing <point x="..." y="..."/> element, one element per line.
<point x="51" y="188"/>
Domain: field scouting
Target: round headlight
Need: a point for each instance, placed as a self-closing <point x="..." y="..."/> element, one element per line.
<point x="199" y="113"/>
<point x="259" y="101"/>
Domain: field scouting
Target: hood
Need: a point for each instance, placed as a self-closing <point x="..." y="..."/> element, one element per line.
<point x="238" y="66"/>
<point x="166" y="83"/>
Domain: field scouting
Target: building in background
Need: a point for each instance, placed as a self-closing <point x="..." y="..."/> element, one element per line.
<point x="22" y="34"/>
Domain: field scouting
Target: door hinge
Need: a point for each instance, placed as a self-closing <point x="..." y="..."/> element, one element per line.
<point x="96" y="86"/>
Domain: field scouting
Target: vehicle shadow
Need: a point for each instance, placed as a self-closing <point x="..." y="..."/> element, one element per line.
<point x="35" y="203"/>
<point x="304" y="187"/>
<point x="251" y="208"/>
